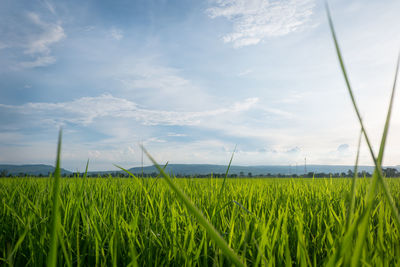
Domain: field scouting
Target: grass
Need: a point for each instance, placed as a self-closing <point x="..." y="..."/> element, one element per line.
<point x="291" y="222"/>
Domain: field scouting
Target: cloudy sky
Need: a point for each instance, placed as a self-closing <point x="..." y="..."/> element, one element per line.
<point x="192" y="79"/>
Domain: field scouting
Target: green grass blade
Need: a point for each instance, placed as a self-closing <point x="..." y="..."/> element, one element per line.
<point x="377" y="161"/>
<point x="389" y="113"/>
<point x="86" y="169"/>
<point x="213" y="233"/>
<point x="158" y="176"/>
<point x="17" y="245"/>
<point x="226" y="174"/>
<point x="55" y="216"/>
<point x="372" y="192"/>
<point x="353" y="186"/>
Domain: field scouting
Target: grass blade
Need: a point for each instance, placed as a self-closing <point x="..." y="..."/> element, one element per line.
<point x="377" y="161"/>
<point x="363" y="225"/>
<point x="353" y="186"/>
<point x="158" y="176"/>
<point x="86" y="170"/>
<point x="213" y="233"/>
<point x="55" y="216"/>
<point x="226" y="174"/>
<point x="376" y="179"/>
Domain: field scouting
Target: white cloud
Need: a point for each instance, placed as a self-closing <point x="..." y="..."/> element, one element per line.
<point x="116" y="34"/>
<point x="51" y="33"/>
<point x="85" y="110"/>
<point x="2" y="45"/>
<point x="343" y="148"/>
<point x="40" y="61"/>
<point x="154" y="140"/>
<point x="33" y="39"/>
<point x="255" y="20"/>
<point x="148" y="75"/>
<point x="49" y="6"/>
<point x="293" y="150"/>
<point x="157" y="85"/>
<point x="176" y="135"/>
<point x="245" y="72"/>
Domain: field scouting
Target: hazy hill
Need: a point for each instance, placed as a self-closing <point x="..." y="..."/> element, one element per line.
<point x="192" y="169"/>
<point x="201" y="169"/>
<point x="30" y="169"/>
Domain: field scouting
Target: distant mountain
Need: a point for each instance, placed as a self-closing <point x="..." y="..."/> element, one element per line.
<point x="200" y="169"/>
<point x="30" y="169"/>
<point x="192" y="169"/>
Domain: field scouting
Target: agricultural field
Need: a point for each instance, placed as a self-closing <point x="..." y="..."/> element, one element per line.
<point x="142" y="222"/>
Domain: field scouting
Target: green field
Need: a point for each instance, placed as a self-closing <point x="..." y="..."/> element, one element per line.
<point x="128" y="221"/>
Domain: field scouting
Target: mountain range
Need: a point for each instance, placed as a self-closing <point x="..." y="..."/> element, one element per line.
<point x="200" y="169"/>
<point x="30" y="169"/>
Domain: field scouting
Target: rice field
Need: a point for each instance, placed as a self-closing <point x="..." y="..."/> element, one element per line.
<point x="140" y="222"/>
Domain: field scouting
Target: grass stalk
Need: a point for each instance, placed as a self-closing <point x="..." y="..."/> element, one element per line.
<point x="377" y="161"/>
<point x="350" y="213"/>
<point x="55" y="216"/>
<point x="226" y="174"/>
<point x="213" y="233"/>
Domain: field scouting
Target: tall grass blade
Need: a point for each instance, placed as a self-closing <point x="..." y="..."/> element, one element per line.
<point x="363" y="225"/>
<point x="226" y="174"/>
<point x="213" y="233"/>
<point x="372" y="192"/>
<point x="86" y="169"/>
<point x="353" y="186"/>
<point x="158" y="176"/>
<point x="55" y="216"/>
<point x="377" y="161"/>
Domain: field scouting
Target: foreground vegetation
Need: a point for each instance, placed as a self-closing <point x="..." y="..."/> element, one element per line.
<point x="119" y="221"/>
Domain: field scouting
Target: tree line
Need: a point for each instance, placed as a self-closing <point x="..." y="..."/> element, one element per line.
<point x="387" y="172"/>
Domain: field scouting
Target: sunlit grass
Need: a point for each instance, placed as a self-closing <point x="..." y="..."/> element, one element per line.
<point x="290" y="221"/>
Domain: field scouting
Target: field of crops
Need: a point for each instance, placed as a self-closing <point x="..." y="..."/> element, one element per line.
<point x="130" y="221"/>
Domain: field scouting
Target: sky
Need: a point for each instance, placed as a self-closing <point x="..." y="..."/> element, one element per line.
<point x="192" y="80"/>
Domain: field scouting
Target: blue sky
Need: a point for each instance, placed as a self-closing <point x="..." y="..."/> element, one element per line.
<point x="192" y="79"/>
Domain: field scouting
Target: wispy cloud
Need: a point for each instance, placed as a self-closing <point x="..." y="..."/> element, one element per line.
<point x="39" y="45"/>
<point x="148" y="75"/>
<point x="40" y="61"/>
<point x="245" y="72"/>
<point x="176" y="135"/>
<point x="85" y="110"/>
<point x="293" y="150"/>
<point x="343" y="148"/>
<point x="2" y="45"/>
<point x="31" y="39"/>
<point x="116" y="34"/>
<point x="256" y="20"/>
<point x="159" y="85"/>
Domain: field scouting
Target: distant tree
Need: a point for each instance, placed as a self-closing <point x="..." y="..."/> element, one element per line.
<point x="350" y="173"/>
<point x="391" y="172"/>
<point x="249" y="174"/>
<point x="241" y="174"/>
<point x="3" y="173"/>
